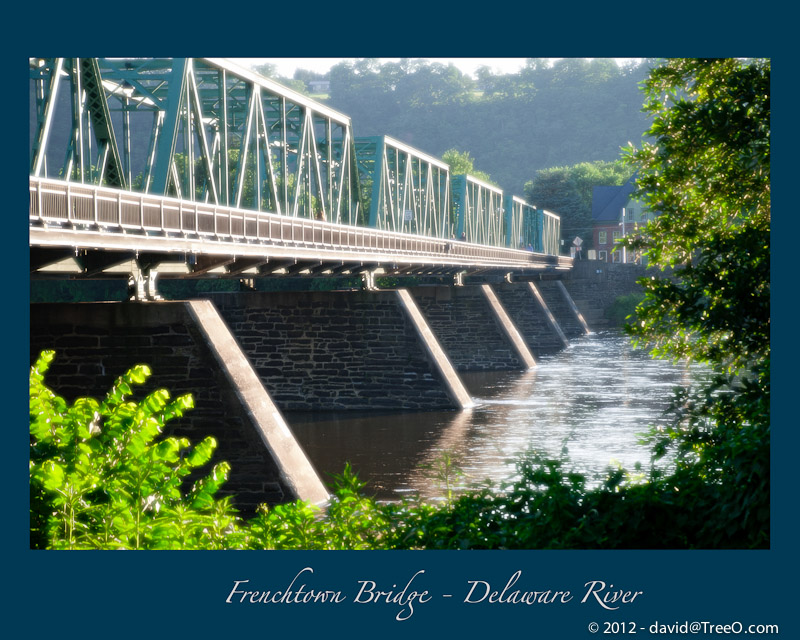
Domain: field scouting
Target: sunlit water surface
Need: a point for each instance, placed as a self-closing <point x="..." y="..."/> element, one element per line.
<point x="590" y="402"/>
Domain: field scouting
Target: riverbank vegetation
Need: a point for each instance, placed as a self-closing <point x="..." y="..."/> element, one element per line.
<point x="102" y="477"/>
<point x="623" y="309"/>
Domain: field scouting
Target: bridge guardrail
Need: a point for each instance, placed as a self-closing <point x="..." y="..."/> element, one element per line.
<point x="111" y="211"/>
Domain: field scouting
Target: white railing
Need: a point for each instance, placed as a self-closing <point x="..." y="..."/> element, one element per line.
<point x="114" y="211"/>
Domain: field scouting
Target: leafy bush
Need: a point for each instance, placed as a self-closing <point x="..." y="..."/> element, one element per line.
<point x="350" y="521"/>
<point x="100" y="479"/>
<point x="707" y="172"/>
<point x="624" y="308"/>
<point x="551" y="508"/>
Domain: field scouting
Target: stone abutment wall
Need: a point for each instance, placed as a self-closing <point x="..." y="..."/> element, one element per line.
<point x="464" y="325"/>
<point x="595" y="285"/>
<point x="304" y="351"/>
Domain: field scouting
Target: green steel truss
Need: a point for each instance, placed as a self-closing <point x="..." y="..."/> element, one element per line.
<point x="521" y="225"/>
<point x="408" y="191"/>
<point x="480" y="217"/>
<point x="202" y="129"/>
<point x="551" y="234"/>
<point x="530" y="228"/>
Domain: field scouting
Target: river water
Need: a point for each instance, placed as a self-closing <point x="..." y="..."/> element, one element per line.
<point x="590" y="402"/>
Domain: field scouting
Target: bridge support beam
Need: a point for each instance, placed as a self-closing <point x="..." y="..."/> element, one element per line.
<point x="554" y="299"/>
<point x="474" y="328"/>
<point x="507" y="326"/>
<point x="540" y="322"/>
<point x="453" y="385"/>
<point x="548" y="314"/>
<point x="294" y="467"/>
<point x="573" y="307"/>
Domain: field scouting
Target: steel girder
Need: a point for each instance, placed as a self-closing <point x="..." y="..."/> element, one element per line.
<point x="521" y="228"/>
<point x="531" y="228"/>
<point x="551" y="232"/>
<point x="480" y="216"/>
<point x="92" y="157"/>
<point x="409" y="190"/>
<point x="201" y="129"/>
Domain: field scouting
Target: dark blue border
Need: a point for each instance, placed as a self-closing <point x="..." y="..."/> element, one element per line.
<point x="183" y="594"/>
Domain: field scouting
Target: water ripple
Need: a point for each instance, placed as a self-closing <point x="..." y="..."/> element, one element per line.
<point x="593" y="400"/>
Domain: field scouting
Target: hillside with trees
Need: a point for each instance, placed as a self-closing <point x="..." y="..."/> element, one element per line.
<point x="549" y="114"/>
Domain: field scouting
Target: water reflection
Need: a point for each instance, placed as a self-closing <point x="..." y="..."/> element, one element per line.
<point x="594" y="398"/>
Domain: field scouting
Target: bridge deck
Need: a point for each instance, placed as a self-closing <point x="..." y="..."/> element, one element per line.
<point x="67" y="218"/>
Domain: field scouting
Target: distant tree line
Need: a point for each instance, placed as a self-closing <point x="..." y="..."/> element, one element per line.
<point x="513" y="125"/>
<point x="549" y="133"/>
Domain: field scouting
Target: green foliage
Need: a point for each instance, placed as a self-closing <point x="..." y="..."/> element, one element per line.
<point x="101" y="479"/>
<point x="623" y="308"/>
<point x="461" y="162"/>
<point x="269" y="70"/>
<point x="350" y="521"/>
<point x="708" y="174"/>
<point x="446" y="473"/>
<point x="547" y="507"/>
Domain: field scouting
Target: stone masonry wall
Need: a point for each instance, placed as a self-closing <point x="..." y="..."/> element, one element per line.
<point x="464" y="324"/>
<point x="97" y="342"/>
<point x="529" y="318"/>
<point x="595" y="285"/>
<point x="333" y="350"/>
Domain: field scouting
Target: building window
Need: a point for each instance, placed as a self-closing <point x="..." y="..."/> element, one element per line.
<point x="603" y="255"/>
<point x="602" y="237"/>
<point x="616" y="235"/>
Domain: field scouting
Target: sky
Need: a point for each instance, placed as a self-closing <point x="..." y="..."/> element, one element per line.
<point x="286" y="66"/>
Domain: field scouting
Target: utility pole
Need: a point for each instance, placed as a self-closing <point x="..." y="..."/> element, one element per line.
<point x="624" y="251"/>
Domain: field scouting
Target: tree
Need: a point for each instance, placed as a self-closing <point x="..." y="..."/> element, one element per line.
<point x="708" y="174"/>
<point x="567" y="191"/>
<point x="546" y="115"/>
<point x="461" y="162"/>
<point x="270" y="70"/>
